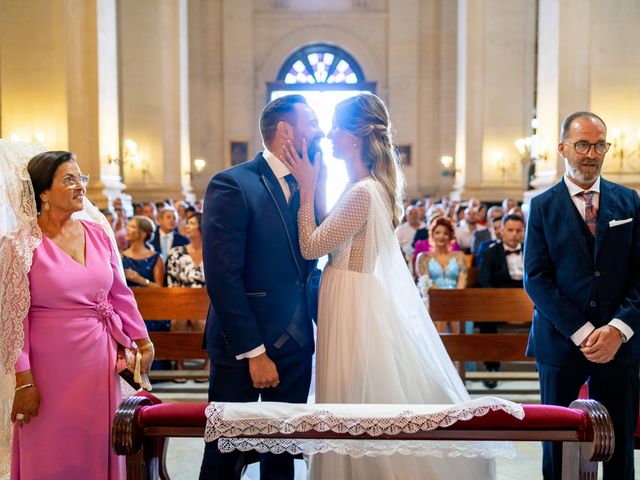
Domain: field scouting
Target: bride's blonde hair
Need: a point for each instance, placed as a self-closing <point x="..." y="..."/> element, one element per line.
<point x="365" y="116"/>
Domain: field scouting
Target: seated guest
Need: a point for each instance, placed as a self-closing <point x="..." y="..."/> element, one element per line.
<point x="489" y="233"/>
<point x="121" y="229"/>
<point x="150" y="211"/>
<point x="444" y="267"/>
<point x="110" y="216"/>
<point x="482" y="214"/>
<point x="142" y="266"/>
<point x="185" y="269"/>
<point x="502" y="267"/>
<point x="184" y="262"/>
<point x="422" y="244"/>
<point x="497" y="228"/>
<point x="464" y="233"/>
<point x="406" y="232"/>
<point x="508" y="203"/>
<point x="167" y="236"/>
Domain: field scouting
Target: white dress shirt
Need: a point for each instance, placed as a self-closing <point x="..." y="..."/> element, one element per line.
<point x="464" y="234"/>
<point x="280" y="171"/>
<point x="578" y="200"/>
<point x="405" y="234"/>
<point x="515" y="261"/>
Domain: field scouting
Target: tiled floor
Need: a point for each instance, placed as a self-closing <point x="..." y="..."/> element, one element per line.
<point x="184" y="455"/>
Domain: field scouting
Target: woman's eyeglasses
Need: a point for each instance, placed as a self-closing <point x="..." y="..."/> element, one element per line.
<point x="72" y="182"/>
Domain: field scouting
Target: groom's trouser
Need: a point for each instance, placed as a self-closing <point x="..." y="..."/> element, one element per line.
<point x="233" y="384"/>
<point x="612" y="384"/>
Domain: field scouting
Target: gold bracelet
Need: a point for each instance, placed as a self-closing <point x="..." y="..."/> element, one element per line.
<point x="22" y="387"/>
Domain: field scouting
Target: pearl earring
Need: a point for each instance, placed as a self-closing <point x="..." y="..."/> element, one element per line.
<point x="355" y="145"/>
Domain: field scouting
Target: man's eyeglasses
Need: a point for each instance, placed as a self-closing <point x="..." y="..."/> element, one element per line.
<point x="72" y="182"/>
<point x="582" y="147"/>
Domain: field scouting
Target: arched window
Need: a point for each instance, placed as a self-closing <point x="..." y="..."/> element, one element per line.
<point x="320" y="67"/>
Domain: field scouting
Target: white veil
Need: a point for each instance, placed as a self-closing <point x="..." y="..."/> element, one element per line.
<point x="19" y="237"/>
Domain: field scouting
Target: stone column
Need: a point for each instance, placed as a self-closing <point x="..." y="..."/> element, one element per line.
<point x="154" y="98"/>
<point x="239" y="80"/>
<point x="588" y="61"/>
<point x="58" y="83"/>
<point x="495" y="95"/>
<point x="403" y="97"/>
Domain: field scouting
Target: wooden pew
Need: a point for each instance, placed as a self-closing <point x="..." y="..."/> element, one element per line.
<point x="175" y="304"/>
<point x="507" y="305"/>
<point x="142" y="423"/>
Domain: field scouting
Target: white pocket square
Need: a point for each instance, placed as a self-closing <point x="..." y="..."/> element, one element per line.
<point x="615" y="223"/>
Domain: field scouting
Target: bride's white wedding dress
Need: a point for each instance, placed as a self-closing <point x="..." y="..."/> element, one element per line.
<point x="376" y="341"/>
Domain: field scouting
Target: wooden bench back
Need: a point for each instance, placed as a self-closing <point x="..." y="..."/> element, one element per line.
<point x="472" y="304"/>
<point x="174" y="304"/>
<point x="510" y="305"/>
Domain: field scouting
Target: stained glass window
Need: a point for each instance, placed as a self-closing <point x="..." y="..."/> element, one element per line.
<point x="320" y="63"/>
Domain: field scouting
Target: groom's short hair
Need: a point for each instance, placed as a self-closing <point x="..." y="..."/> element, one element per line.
<point x="279" y="110"/>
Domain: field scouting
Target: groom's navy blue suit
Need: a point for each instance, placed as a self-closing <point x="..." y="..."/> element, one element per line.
<point x="262" y="291"/>
<point x="573" y="278"/>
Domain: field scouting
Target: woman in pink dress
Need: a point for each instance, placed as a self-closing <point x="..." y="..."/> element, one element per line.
<point x="67" y="387"/>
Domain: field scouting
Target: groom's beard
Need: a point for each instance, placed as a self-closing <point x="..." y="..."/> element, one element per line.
<point x="314" y="147"/>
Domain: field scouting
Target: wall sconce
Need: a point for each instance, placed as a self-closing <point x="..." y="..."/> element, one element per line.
<point x="131" y="158"/>
<point x="622" y="150"/>
<point x="448" y="166"/>
<point x="198" y="166"/>
<point x="35" y="138"/>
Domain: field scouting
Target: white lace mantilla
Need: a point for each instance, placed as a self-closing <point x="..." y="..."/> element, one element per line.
<point x="230" y="422"/>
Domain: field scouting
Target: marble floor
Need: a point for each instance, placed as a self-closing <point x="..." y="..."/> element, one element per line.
<point x="184" y="455"/>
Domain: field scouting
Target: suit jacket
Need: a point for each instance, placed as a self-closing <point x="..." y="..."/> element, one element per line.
<point x="259" y="284"/>
<point x="178" y="241"/>
<point x="494" y="271"/>
<point x="478" y="238"/>
<point x="571" y="283"/>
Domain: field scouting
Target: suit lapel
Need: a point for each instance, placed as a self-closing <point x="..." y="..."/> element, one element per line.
<point x="605" y="212"/>
<point x="277" y="196"/>
<point x="568" y="211"/>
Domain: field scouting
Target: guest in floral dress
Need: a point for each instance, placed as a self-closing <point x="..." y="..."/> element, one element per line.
<point x="185" y="269"/>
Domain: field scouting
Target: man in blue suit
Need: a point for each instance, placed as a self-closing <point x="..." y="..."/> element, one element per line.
<point x="259" y="332"/>
<point x="582" y="271"/>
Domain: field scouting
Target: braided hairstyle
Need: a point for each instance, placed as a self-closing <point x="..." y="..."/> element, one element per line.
<point x="365" y="116"/>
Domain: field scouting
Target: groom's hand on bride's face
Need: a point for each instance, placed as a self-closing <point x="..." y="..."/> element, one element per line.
<point x="263" y="371"/>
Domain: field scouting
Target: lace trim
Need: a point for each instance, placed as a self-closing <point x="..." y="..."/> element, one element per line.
<point x="325" y="420"/>
<point x="370" y="448"/>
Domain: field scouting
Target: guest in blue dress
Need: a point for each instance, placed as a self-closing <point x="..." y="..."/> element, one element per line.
<point x="142" y="266"/>
<point x="441" y="267"/>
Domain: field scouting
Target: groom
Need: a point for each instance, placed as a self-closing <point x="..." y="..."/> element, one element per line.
<point x="259" y="333"/>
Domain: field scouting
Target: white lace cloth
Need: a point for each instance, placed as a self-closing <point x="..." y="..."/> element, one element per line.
<point x="230" y="422"/>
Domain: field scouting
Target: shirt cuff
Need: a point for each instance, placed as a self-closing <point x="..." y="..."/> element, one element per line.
<point x="582" y="333"/>
<point x="253" y="353"/>
<point x="623" y="327"/>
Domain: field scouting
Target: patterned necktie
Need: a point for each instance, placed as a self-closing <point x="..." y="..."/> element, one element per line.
<point x="164" y="245"/>
<point x="590" y="212"/>
<point x="293" y="186"/>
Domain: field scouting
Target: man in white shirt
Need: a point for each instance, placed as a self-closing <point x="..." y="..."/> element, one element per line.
<point x="582" y="271"/>
<point x="167" y="236"/>
<point x="406" y="232"/>
<point x="468" y="226"/>
<point x="259" y="331"/>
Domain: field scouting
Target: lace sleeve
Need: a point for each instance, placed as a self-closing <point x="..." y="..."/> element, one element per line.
<point x="346" y="219"/>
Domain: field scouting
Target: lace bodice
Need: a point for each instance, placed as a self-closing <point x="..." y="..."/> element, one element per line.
<point x="346" y="233"/>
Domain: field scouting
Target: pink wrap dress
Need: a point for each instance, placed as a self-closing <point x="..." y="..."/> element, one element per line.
<point x="78" y="316"/>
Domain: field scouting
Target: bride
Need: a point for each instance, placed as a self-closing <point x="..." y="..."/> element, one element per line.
<point x="376" y="342"/>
